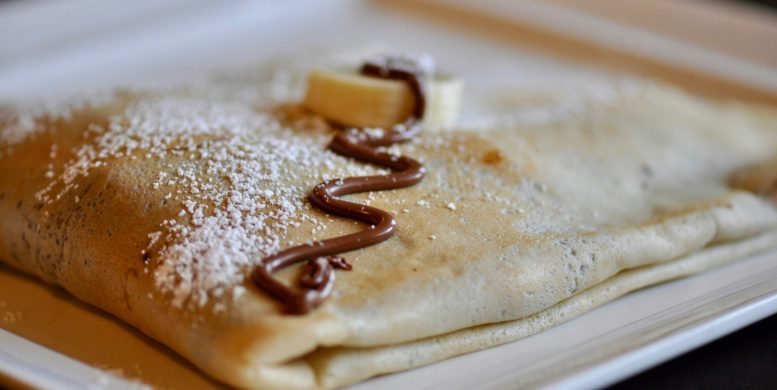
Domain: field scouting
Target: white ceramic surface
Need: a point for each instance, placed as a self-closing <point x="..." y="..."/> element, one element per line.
<point x="184" y="38"/>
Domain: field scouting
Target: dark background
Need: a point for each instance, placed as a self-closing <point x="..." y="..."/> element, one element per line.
<point x="746" y="359"/>
<point x="766" y="3"/>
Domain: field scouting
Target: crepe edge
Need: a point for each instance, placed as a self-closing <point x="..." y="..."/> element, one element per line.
<point x="339" y="367"/>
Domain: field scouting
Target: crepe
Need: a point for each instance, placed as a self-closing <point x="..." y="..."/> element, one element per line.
<point x="155" y="204"/>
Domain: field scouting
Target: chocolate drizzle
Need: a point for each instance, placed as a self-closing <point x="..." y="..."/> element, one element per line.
<point x="318" y="275"/>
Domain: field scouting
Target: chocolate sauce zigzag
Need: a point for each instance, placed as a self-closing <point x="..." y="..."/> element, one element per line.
<point x="317" y="279"/>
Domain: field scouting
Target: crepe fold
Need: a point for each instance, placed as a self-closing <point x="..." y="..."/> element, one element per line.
<point x="155" y="205"/>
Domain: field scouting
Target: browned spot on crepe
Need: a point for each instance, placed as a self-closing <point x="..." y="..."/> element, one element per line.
<point x="760" y="179"/>
<point x="493" y="156"/>
<point x="297" y="116"/>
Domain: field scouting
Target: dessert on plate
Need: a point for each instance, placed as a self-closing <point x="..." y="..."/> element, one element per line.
<point x="354" y="226"/>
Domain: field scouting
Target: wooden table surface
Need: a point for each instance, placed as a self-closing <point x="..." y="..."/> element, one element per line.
<point x="711" y="48"/>
<point x="716" y="28"/>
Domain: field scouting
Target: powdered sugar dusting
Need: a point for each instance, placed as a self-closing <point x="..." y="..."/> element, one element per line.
<point x="22" y="120"/>
<point x="240" y="177"/>
<point x="517" y="106"/>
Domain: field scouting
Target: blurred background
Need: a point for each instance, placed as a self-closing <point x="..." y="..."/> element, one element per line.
<point x="723" y="49"/>
<point x="700" y="44"/>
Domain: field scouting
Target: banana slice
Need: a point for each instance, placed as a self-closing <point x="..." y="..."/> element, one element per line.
<point x="351" y="99"/>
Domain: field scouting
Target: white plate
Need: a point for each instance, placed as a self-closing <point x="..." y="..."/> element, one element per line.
<point x="607" y="344"/>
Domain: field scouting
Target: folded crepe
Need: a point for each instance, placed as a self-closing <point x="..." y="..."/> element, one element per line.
<point x="156" y="204"/>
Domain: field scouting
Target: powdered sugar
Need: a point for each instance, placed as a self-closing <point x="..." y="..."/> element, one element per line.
<point x="240" y="176"/>
<point x="23" y="119"/>
<point x="516" y="106"/>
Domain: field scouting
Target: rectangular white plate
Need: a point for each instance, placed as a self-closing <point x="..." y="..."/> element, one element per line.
<point x="607" y="344"/>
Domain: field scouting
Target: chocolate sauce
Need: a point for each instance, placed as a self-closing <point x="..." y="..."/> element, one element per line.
<point x="318" y="276"/>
